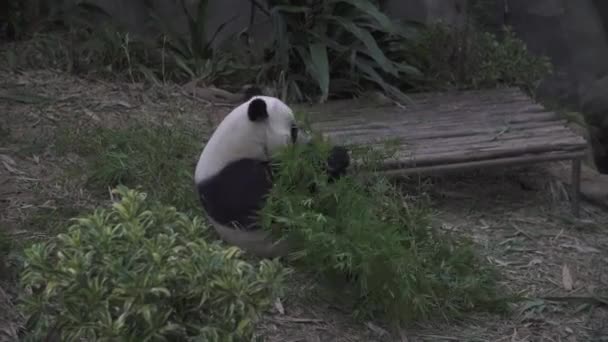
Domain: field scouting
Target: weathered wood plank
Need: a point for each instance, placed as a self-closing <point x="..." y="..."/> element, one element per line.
<point x="461" y="166"/>
<point x="430" y="131"/>
<point x="489" y="116"/>
<point x="407" y="157"/>
<point x="451" y="128"/>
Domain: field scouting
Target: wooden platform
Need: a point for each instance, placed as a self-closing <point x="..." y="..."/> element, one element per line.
<point x="452" y="131"/>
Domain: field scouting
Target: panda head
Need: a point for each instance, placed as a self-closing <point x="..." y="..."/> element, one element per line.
<point x="276" y="120"/>
<point x="256" y="129"/>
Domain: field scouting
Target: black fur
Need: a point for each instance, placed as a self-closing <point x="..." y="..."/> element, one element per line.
<point x="294" y="134"/>
<point x="338" y="162"/>
<point x="257" y="110"/>
<point x="235" y="195"/>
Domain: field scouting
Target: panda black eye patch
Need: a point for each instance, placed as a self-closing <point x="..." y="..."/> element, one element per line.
<point x="294" y="134"/>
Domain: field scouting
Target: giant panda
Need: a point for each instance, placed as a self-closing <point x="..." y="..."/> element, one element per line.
<point x="234" y="171"/>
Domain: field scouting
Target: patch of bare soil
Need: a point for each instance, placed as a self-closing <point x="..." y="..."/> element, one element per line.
<point x="519" y="218"/>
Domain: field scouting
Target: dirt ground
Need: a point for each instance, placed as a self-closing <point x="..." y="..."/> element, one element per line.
<point x="519" y="218"/>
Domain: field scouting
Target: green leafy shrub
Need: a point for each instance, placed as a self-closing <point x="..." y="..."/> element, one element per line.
<point x="333" y="47"/>
<point x="372" y="242"/>
<point x="89" y="39"/>
<point x="472" y="59"/>
<point x="69" y="37"/>
<point x="189" y="55"/>
<point x="157" y="159"/>
<point x="141" y="272"/>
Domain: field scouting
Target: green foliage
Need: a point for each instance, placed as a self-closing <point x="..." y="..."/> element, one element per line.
<point x="472" y="59"/>
<point x="157" y="159"/>
<point x="319" y="49"/>
<point x="85" y="42"/>
<point x="483" y="13"/>
<point x="333" y="47"/>
<point x="374" y="243"/>
<point x="93" y="41"/>
<point x="79" y="51"/>
<point x="190" y="55"/>
<point x="138" y="272"/>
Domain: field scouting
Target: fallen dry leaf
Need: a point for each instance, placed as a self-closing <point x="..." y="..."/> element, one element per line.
<point x="12" y="169"/>
<point x="92" y="115"/>
<point x="279" y="306"/>
<point x="567" y="278"/>
<point x="535" y="261"/>
<point x="498" y="262"/>
<point x="376" y="329"/>
<point x="5" y="158"/>
<point x="580" y="248"/>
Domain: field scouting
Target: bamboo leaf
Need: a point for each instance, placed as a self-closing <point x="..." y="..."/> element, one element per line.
<point x="320" y="66"/>
<point x="373" y="50"/>
<point x="281" y="39"/>
<point x="373" y="76"/>
<point x="290" y="9"/>
<point x="371" y="10"/>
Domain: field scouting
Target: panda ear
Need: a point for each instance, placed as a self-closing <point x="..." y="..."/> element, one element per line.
<point x="257" y="110"/>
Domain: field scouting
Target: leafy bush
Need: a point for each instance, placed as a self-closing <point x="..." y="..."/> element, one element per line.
<point x="373" y="241"/>
<point x="470" y="58"/>
<point x="333" y="47"/>
<point x="79" y="37"/>
<point x="190" y="56"/>
<point x="138" y="272"/>
<point x="89" y="39"/>
<point x="157" y="159"/>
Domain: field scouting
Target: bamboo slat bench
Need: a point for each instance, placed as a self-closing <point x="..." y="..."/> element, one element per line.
<point x="453" y="131"/>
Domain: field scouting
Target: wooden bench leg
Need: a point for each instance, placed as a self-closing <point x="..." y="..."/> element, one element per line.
<point x="575" y="185"/>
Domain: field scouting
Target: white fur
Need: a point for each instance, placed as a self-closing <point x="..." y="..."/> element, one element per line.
<point x="237" y="137"/>
<point x="257" y="242"/>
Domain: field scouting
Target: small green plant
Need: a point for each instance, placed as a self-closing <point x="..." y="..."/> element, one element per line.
<point x="140" y="271"/>
<point x="474" y="59"/>
<point x="157" y="159"/>
<point x="374" y="243"/>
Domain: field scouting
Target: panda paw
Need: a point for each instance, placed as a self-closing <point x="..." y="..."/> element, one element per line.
<point x="338" y="160"/>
